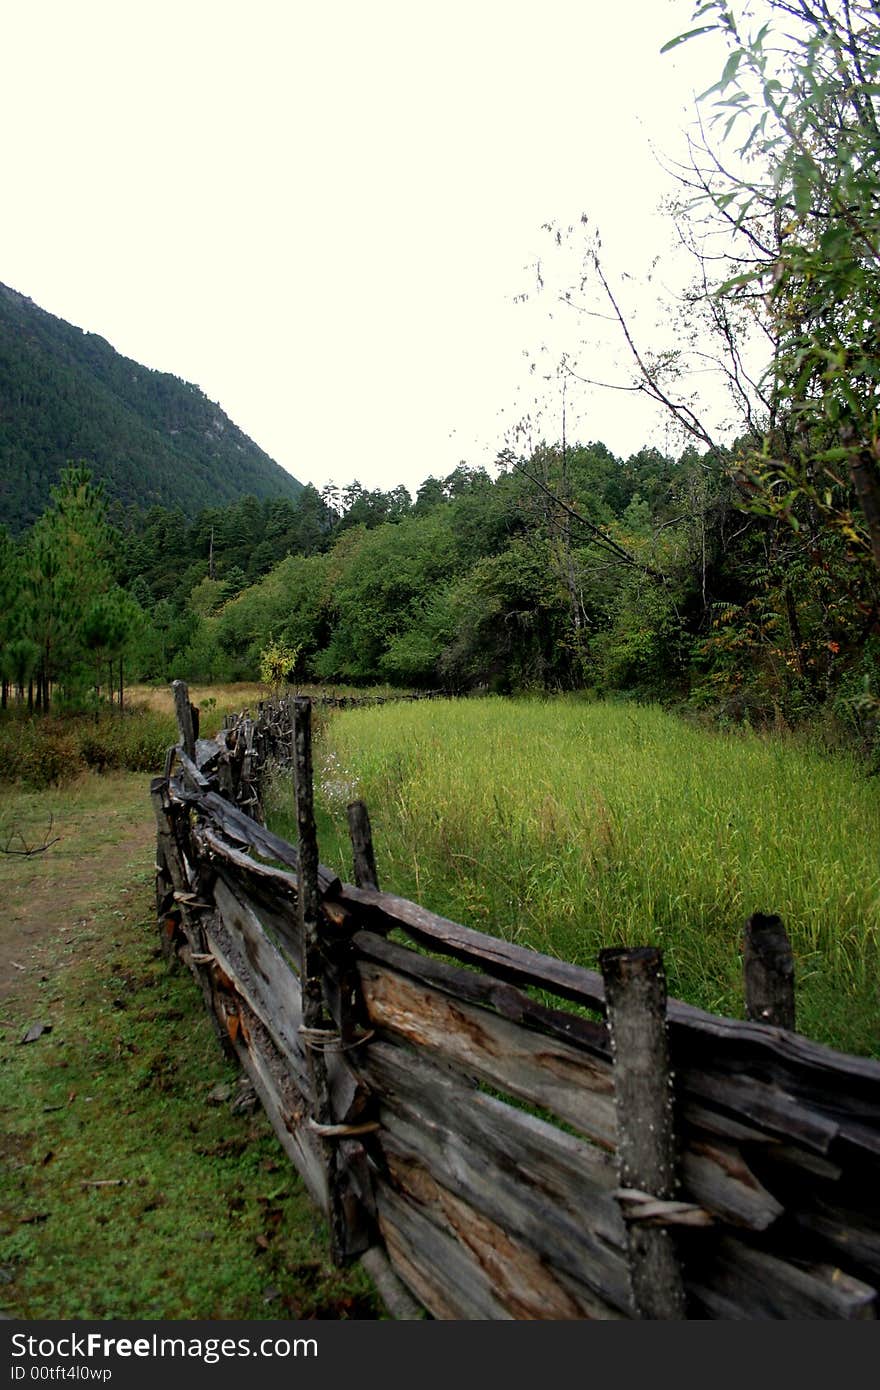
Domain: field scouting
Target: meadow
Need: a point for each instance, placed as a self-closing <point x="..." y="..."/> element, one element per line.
<point x="567" y="824"/>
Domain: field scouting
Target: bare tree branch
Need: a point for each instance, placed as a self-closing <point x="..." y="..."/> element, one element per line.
<point x="28" y="851"/>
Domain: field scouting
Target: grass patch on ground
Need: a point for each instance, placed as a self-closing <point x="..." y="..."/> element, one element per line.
<point x="568" y="825"/>
<point x="199" y="1213"/>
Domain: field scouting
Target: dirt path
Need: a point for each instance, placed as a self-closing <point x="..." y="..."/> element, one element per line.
<point x="100" y="859"/>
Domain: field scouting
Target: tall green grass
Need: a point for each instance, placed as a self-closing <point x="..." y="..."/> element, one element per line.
<point x="568" y="825"/>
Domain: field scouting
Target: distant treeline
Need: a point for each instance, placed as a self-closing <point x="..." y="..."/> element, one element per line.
<point x="572" y="568"/>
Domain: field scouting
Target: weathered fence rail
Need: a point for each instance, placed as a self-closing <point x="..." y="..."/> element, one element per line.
<point x="499" y="1149"/>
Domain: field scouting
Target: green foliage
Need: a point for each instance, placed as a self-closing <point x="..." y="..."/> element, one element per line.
<point x="277" y="665"/>
<point x="571" y="569"/>
<point x="507" y="623"/>
<point x="382" y="580"/>
<point x="49" y="751"/>
<point x="800" y="98"/>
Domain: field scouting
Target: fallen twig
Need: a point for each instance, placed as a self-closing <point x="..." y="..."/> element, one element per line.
<point x="28" y="851"/>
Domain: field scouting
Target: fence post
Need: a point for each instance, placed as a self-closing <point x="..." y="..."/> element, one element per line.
<point x="185" y="723"/>
<point x="316" y="1023"/>
<point x="361" y="833"/>
<point x="635" y="995"/>
<point x="768" y="972"/>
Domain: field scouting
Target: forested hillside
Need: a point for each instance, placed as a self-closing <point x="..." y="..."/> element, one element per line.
<point x="148" y="436"/>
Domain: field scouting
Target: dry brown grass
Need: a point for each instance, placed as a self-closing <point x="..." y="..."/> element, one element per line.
<point x="236" y="696"/>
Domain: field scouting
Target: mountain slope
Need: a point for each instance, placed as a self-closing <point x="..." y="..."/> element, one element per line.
<point x="152" y="438"/>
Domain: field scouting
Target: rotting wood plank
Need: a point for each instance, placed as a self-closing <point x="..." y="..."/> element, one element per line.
<point x="205" y="985"/>
<point x="635" y="988"/>
<point x="764" y="1104"/>
<point x="260" y="976"/>
<point x="243" y="831"/>
<point x="317" y="1027"/>
<point x="477" y="987"/>
<point x="393" y="1292"/>
<point x="164" y="811"/>
<point x="283" y="1102"/>
<point x="185" y="721"/>
<point x="768" y="972"/>
<point x="190" y="773"/>
<point x="802" y="1089"/>
<point x="715" y="1173"/>
<point x="550" y="1189"/>
<point x="266" y="981"/>
<point x="847" y="1235"/>
<point x="516" y="1278"/>
<point x="361" y="835"/>
<point x="561" y="1245"/>
<point x="743" y="1283"/>
<point x="433" y="1265"/>
<point x="274" y="909"/>
<point x="541" y="1071"/>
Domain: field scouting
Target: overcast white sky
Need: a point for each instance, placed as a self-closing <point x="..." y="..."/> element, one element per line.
<point x="322" y="213"/>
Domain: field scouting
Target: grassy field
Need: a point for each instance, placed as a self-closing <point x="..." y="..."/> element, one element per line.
<point x="136" y="1180"/>
<point x="568" y="825"/>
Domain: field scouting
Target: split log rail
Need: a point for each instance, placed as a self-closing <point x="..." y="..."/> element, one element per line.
<point x="487" y="1153"/>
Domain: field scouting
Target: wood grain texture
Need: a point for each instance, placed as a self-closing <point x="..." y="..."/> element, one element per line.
<point x="260" y="975"/>
<point x="551" y="1191"/>
<point x="284" y="1103"/>
<point x="184" y="714"/>
<point x="745" y="1283"/>
<point x="471" y="1255"/>
<point x="715" y="1173"/>
<point x="768" y="972"/>
<point x="541" y="1071"/>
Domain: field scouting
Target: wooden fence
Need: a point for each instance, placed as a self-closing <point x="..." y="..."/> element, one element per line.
<point x="515" y="1136"/>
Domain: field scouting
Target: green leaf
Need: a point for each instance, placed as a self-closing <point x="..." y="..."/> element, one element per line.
<point x="691" y="33"/>
<point x="730" y="68"/>
<point x="735" y="281"/>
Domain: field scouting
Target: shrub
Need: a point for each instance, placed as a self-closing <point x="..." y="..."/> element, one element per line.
<point x="41" y="752"/>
